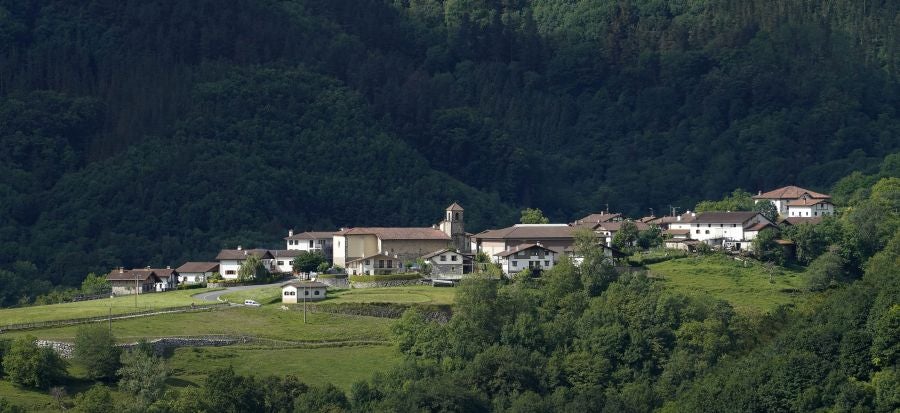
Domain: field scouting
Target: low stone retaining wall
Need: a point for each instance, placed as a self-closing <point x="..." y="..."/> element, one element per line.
<point x="160" y="345"/>
<point x="389" y="283"/>
<point x="342" y="283"/>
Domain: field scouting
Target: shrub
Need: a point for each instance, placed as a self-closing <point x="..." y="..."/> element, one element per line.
<point x="28" y="365"/>
<point x="95" y="349"/>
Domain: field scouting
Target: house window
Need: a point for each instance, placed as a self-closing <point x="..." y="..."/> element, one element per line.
<point x="311" y="243"/>
<point x="280" y="262"/>
<point x="515" y="263"/>
<point x="317" y="292"/>
<point x="698" y="231"/>
<point x="305" y="292"/>
<point x="452" y="269"/>
<point x="367" y="262"/>
<point x="707" y="231"/>
<point x="390" y="263"/>
<point x="815" y="214"/>
<point x="229" y="272"/>
<point x="733" y="225"/>
<point x="452" y="258"/>
<point x="380" y="263"/>
<point x="546" y="263"/>
<point x="287" y="293"/>
<point x="443" y="258"/>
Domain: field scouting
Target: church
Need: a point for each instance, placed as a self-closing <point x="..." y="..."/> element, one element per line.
<point x="403" y="244"/>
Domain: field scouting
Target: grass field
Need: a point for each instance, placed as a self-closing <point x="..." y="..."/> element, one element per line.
<point x="264" y="322"/>
<point x="340" y="366"/>
<point x="748" y="286"/>
<point x="92" y="308"/>
<point x="420" y="294"/>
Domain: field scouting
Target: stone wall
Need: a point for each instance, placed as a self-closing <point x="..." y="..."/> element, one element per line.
<point x="335" y="282"/>
<point x="159" y="345"/>
<point x="388" y="283"/>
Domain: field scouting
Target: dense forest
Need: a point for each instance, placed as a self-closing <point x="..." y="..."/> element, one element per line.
<point x="151" y="132"/>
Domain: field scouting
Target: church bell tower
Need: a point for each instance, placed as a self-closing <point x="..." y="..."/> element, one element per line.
<point x="454" y="226"/>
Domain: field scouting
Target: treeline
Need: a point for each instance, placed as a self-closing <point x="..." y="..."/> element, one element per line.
<point x="146" y="133"/>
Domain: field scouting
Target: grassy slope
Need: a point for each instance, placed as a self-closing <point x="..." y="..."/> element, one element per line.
<point x="421" y="294"/>
<point x="265" y="322"/>
<point x="747" y="286"/>
<point x="340" y="366"/>
<point x="92" y="308"/>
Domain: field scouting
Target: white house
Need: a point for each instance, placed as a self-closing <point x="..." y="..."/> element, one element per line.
<point x="533" y="256"/>
<point x="316" y="241"/>
<point x="377" y="264"/>
<point x="607" y="230"/>
<point x="810" y="208"/>
<point x="283" y="260"/>
<point x="782" y="198"/>
<point x="448" y="263"/>
<point x="296" y="291"/>
<point x="196" y="272"/>
<point x="729" y="230"/>
<point x="230" y="261"/>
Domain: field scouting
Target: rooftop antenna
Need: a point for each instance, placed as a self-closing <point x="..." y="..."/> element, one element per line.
<point x="674" y="210"/>
<point x="607" y="207"/>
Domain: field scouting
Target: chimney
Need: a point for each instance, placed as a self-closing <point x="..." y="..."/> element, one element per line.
<point x="121" y="270"/>
<point x="168" y="267"/>
<point x="291" y="232"/>
<point x="148" y="267"/>
<point x="760" y="192"/>
<point x="240" y="247"/>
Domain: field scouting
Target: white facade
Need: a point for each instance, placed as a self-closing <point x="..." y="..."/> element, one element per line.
<point x="194" y="277"/>
<point x="735" y="230"/>
<point x="819" y="209"/>
<point x="374" y="265"/>
<point x="293" y="294"/>
<point x="535" y="257"/>
<point x="229" y="268"/>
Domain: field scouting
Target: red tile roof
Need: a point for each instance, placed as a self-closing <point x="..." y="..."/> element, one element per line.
<point x="132" y="275"/>
<point x="808" y="201"/>
<point x="530" y="232"/>
<point x="454" y="207"/>
<point x="243" y="254"/>
<point x="789" y="192"/>
<point x="737" y="217"/>
<point x="398" y="233"/>
<point x="312" y="235"/>
<point x="198" y="267"/>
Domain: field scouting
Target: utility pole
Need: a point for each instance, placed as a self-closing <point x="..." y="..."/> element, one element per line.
<point x="304" y="304"/>
<point x="109" y="319"/>
<point x="135" y="290"/>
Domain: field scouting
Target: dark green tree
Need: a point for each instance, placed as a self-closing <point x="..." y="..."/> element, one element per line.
<point x="143" y="375"/>
<point x="767" y="209"/>
<point x="28" y="365"/>
<point x="308" y="261"/>
<point x="533" y="216"/>
<point x="97" y="399"/>
<point x="96" y="351"/>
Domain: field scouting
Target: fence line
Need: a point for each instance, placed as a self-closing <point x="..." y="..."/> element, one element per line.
<point x="85" y="320"/>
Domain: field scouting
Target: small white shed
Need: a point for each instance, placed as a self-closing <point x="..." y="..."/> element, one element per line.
<point x="295" y="291"/>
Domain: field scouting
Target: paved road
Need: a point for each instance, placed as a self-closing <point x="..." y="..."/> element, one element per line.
<point x="214" y="295"/>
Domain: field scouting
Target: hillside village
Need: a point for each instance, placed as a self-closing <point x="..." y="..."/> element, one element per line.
<point x="446" y="252"/>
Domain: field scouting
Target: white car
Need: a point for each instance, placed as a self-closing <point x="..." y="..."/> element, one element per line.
<point x="251" y="303"/>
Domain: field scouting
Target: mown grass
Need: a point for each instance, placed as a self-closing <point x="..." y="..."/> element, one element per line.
<point x="340" y="366"/>
<point x="93" y="308"/>
<point x="747" y="285"/>
<point x="419" y="294"/>
<point x="264" y="322"/>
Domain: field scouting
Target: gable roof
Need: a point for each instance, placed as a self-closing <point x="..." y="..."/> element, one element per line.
<point x="736" y="217"/>
<point x="685" y="217"/>
<point x="802" y="220"/>
<point x="132" y="275"/>
<point x="312" y="235"/>
<point x="530" y="232"/>
<point x="454" y="207"/>
<point x="617" y="225"/>
<point x="304" y="284"/>
<point x="439" y="252"/>
<point x="243" y="254"/>
<point x="195" y="266"/>
<point x="759" y="226"/>
<point x="598" y="217"/>
<point x="398" y="233"/>
<point x="286" y="253"/>
<point x="522" y="247"/>
<point x="379" y="255"/>
<point x="789" y="192"/>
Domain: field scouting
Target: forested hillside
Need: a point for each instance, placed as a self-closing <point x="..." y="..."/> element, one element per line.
<point x="148" y="132"/>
